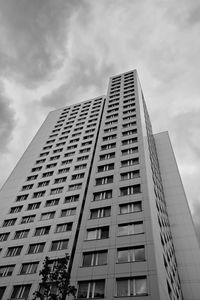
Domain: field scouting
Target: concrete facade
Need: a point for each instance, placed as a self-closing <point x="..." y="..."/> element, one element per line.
<point x="96" y="183"/>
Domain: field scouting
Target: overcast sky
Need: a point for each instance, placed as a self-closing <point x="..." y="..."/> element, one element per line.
<point x="58" y="52"/>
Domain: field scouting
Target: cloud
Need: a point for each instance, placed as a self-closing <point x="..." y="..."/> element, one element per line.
<point x="7" y="123"/>
<point x="54" y="53"/>
<point x="33" y="37"/>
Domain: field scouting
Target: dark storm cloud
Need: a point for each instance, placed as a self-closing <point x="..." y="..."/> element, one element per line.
<point x="33" y="37"/>
<point x="84" y="78"/>
<point x="7" y="123"/>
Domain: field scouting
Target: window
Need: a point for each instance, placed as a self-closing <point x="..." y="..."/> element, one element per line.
<point x="107" y="156"/>
<point x="130" y="190"/>
<point x="84" y="150"/>
<point x="47" y="216"/>
<point x="40" y="161"/>
<point x="58" y="150"/>
<point x="60" y="180"/>
<point x="47" y="147"/>
<point x="52" y="202"/>
<point x="130" y="207"/>
<point x="130" y="254"/>
<point x="129" y="141"/>
<point x="130" y="162"/>
<point x="130" y="175"/>
<point x="43" y="183"/>
<point x="129" y="132"/>
<point x="105" y="168"/>
<point x="78" y="176"/>
<point x="129" y="117"/>
<point x="81" y="158"/>
<point x="21" y="234"/>
<point x="29" y="268"/>
<point x="2" y="290"/>
<point x="47" y="174"/>
<point x="130" y="151"/>
<point x="136" y="286"/>
<point x="80" y="167"/>
<point x="68" y="212"/>
<point x="21" y="291"/>
<point x="14" y="251"/>
<point x="51" y="166"/>
<point x="36" y="248"/>
<point x="102" y="195"/>
<point x="66" y="162"/>
<point x="109" y="137"/>
<point x="108" y="146"/>
<point x="9" y="222"/>
<point x="69" y="154"/>
<point x="38" y="194"/>
<point x="64" y="170"/>
<point x="42" y="230"/>
<point x="98" y="233"/>
<point x="86" y="143"/>
<point x="88" y="137"/>
<point x="129" y="124"/>
<point x="104" y="180"/>
<point x="22" y="197"/>
<point x="56" y="191"/>
<point x="74" y="187"/>
<point x="59" y="245"/>
<point x="6" y="270"/>
<point x="4" y="236"/>
<point x="37" y="169"/>
<point x="29" y="178"/>
<point x="64" y="227"/>
<point x="16" y="209"/>
<point x="91" y="289"/>
<point x="72" y="198"/>
<point x="100" y="212"/>
<point x="27" y="219"/>
<point x="131" y="228"/>
<point x="96" y="258"/>
<point x="111" y="122"/>
<point x="33" y="206"/>
<point x="27" y="187"/>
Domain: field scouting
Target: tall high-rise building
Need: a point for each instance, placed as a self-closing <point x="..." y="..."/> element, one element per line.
<point x="97" y="184"/>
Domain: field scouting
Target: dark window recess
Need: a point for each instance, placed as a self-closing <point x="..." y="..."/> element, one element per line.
<point x="104" y="180"/>
<point x="100" y="212"/>
<point x="98" y="233"/>
<point x="72" y="198"/>
<point x="42" y="230"/>
<point x="102" y="195"/>
<point x="104" y="168"/>
<point x="130" y="190"/>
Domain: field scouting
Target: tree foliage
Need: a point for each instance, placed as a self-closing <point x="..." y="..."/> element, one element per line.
<point x="55" y="283"/>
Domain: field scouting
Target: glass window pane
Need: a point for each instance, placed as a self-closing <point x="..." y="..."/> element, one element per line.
<point x="123" y="256"/>
<point x="139" y="254"/>
<point x="104" y="233"/>
<point x="123" y="209"/>
<point x="87" y="259"/>
<point x="137" y="206"/>
<point x="91" y="235"/>
<point x="138" y="228"/>
<point x="94" y="214"/>
<point x="107" y="212"/>
<point x="102" y="258"/>
<point x="122" y="287"/>
<point x="82" y="290"/>
<point x="123" y="230"/>
<point x="99" y="289"/>
<point x="140" y="286"/>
